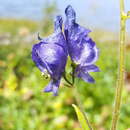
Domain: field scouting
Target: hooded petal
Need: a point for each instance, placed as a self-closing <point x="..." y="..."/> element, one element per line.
<point x="51" y="52"/>
<point x="81" y="47"/>
<point x="57" y="37"/>
<point x="70" y="13"/>
<point x="71" y="27"/>
<point x="55" y="58"/>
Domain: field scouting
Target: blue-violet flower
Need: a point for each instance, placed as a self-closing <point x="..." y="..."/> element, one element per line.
<point x="50" y="56"/>
<point x="82" y="49"/>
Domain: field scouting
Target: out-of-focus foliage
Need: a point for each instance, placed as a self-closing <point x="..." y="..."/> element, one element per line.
<point x="8" y="25"/>
<point x="23" y="105"/>
<point x="49" y="12"/>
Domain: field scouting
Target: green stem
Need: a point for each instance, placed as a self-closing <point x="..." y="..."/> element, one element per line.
<point x="120" y="82"/>
<point x="65" y="78"/>
<point x="73" y="72"/>
<point x="77" y="98"/>
<point x="128" y="16"/>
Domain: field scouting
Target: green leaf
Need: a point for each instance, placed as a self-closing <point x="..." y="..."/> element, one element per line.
<point x="81" y="118"/>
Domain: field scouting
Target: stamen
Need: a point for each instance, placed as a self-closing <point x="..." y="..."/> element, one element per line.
<point x="45" y="74"/>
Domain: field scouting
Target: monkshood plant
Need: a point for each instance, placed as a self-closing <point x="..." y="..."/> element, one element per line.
<point x="51" y="53"/>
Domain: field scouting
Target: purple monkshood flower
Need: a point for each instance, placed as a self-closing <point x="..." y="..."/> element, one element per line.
<point x="82" y="49"/>
<point x="50" y="56"/>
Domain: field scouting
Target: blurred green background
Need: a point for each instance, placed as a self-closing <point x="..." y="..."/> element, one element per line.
<point x="23" y="105"/>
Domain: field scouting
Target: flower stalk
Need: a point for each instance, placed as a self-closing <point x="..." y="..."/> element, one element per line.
<point x="128" y="14"/>
<point x="120" y="81"/>
<point x="77" y="98"/>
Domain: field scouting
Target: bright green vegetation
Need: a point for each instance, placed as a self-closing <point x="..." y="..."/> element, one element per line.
<point x="23" y="105"/>
<point x="12" y="25"/>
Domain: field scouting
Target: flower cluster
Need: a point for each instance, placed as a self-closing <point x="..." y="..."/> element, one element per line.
<point x="50" y="54"/>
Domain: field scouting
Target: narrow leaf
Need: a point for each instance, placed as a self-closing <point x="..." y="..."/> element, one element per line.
<point x="81" y="118"/>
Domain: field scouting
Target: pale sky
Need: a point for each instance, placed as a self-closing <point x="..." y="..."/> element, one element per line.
<point x="92" y="13"/>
